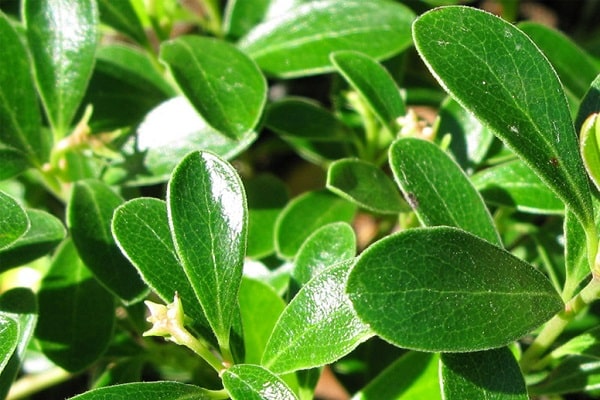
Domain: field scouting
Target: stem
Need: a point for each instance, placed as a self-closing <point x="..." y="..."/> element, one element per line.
<point x="183" y="337"/>
<point x="34" y="383"/>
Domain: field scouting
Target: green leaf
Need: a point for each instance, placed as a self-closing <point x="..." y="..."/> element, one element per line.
<point x="12" y="160"/>
<point x="590" y="104"/>
<point x="438" y="190"/>
<point x="434" y="289"/>
<point x="223" y="84"/>
<point x="76" y="313"/>
<point x="62" y="36"/>
<point x="574" y="374"/>
<point x="121" y="16"/>
<point x="491" y="374"/>
<point x="9" y="333"/>
<point x="243" y="15"/>
<point x="589" y="147"/>
<point x="319" y="325"/>
<point x="587" y="344"/>
<point x="13" y="221"/>
<point x="414" y="376"/>
<point x="514" y="184"/>
<point x="377" y="28"/>
<point x="306" y="213"/>
<point x="148" y="390"/>
<point x="44" y="234"/>
<point x="19" y="113"/>
<point x="89" y="214"/>
<point x="252" y="382"/>
<point x="208" y="219"/>
<point x="325" y="247"/>
<point x="365" y="185"/>
<point x="491" y="68"/>
<point x="373" y="83"/>
<point x="574" y="66"/>
<point x="577" y="267"/>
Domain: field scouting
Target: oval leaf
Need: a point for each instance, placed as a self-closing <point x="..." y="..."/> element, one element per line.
<point x="491" y="68"/>
<point x="13" y="222"/>
<point x="208" y="218"/>
<point x="252" y="382"/>
<point x="319" y="325"/>
<point x="226" y="87"/>
<point x="438" y="190"/>
<point x="377" y="28"/>
<point x="62" y="36"/>
<point x="9" y="335"/>
<point x="443" y="289"/>
<point x="148" y="390"/>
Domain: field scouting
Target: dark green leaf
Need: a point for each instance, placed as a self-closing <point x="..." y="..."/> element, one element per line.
<point x="14" y="222"/>
<point x="491" y="374"/>
<point x="89" y="215"/>
<point x="574" y="374"/>
<point x="377" y="28"/>
<point x="491" y="68"/>
<point x="9" y="333"/>
<point x="122" y="16"/>
<point x="44" y="234"/>
<point x="319" y="325"/>
<point x="365" y="185"/>
<point x="208" y="219"/>
<point x="325" y="247"/>
<point x="252" y="382"/>
<point x="306" y="213"/>
<point x="226" y="87"/>
<point x="148" y="390"/>
<point x="587" y="344"/>
<point x="19" y="113"/>
<point x="62" y="36"/>
<point x="514" y="184"/>
<point x="373" y="83"/>
<point x="443" y="289"/>
<point x="125" y="370"/>
<point x="438" y="190"/>
<point x="76" y="313"/>
<point x="13" y="161"/>
<point x="577" y="267"/>
<point x="590" y="104"/>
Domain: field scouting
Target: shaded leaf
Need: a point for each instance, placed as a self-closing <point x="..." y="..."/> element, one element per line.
<point x="577" y="267"/>
<point x="121" y="15"/>
<point x="574" y="374"/>
<point x="14" y="222"/>
<point x="12" y="160"/>
<point x="148" y="390"/>
<point x="252" y="382"/>
<point x="9" y="333"/>
<point x="587" y="344"/>
<point x="590" y="104"/>
<point x="243" y="15"/>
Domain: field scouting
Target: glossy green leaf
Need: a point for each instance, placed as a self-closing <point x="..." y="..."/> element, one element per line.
<point x="377" y="28"/>
<point x="62" y="36"/>
<point x="414" y="376"/>
<point x="243" y="15"/>
<point x="260" y="307"/>
<point x="443" y="289"/>
<point x="44" y="234"/>
<point x="306" y="213"/>
<point x="222" y="83"/>
<point x="514" y="184"/>
<point x="575" y="374"/>
<point x="148" y="390"/>
<point x="325" y="247"/>
<point x="208" y="218"/>
<point x="13" y="221"/>
<point x="373" y="83"/>
<point x="76" y="313"/>
<point x="252" y="382"/>
<point x="21" y="131"/>
<point x="577" y="267"/>
<point x="365" y="185"/>
<point x="574" y="66"/>
<point x="319" y="325"/>
<point x="590" y="104"/>
<point x="590" y="149"/>
<point x="491" y="68"/>
<point x="438" y="190"/>
<point x="89" y="215"/>
<point x="491" y="374"/>
<point x="121" y="16"/>
<point x="9" y="333"/>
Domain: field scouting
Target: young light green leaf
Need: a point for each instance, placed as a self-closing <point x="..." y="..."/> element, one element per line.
<point x="13" y="221"/>
<point x="438" y="190"/>
<point x="574" y="374"/>
<point x="489" y="65"/>
<point x="222" y="83"/>
<point x="365" y="185"/>
<point x="590" y="149"/>
<point x="587" y="344"/>
<point x="443" y="289"/>
<point x="325" y="247"/>
<point x="373" y="83"/>
<point x="76" y="313"/>
<point x="208" y="219"/>
<point x="377" y="28"/>
<point x="89" y="215"/>
<point x="514" y="184"/>
<point x="9" y="333"/>
<point x="149" y="390"/>
<point x="20" y="120"/>
<point x="44" y="234"/>
<point x="252" y="382"/>
<point x="306" y="213"/>
<point x="319" y="325"/>
<point x="121" y="15"/>
<point x="491" y="374"/>
<point x="62" y="36"/>
<point x="419" y="372"/>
